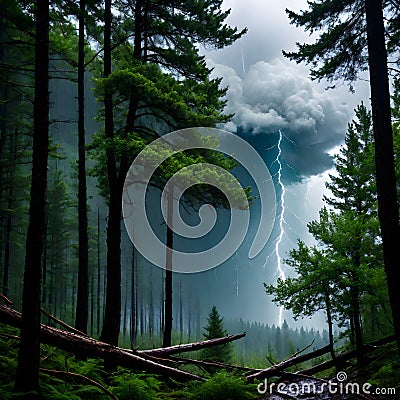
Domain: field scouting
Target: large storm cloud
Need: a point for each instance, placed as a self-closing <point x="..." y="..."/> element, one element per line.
<point x="278" y="95"/>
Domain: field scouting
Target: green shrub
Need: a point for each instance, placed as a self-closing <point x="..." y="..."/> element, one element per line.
<point x="128" y="386"/>
<point x="224" y="386"/>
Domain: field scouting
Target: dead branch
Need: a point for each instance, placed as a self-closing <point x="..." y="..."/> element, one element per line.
<point x="294" y="360"/>
<point x="279" y="369"/>
<point x="77" y="344"/>
<point x="62" y="323"/>
<point x="7" y="336"/>
<point x="5" y="299"/>
<point x="182" y="348"/>
<point x="270" y="360"/>
<point x="81" y="377"/>
<point x="302" y="350"/>
<point x="343" y="358"/>
<point x="212" y="364"/>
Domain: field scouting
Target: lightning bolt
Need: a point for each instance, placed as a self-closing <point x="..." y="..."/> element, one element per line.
<point x="281" y="219"/>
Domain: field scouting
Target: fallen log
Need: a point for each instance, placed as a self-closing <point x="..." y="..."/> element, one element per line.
<point x="212" y="364"/>
<point x="62" y="323"/>
<point x="296" y="359"/>
<point x="5" y="299"/>
<point x="76" y="343"/>
<point x="343" y="358"/>
<point x="182" y="348"/>
<point x="278" y="369"/>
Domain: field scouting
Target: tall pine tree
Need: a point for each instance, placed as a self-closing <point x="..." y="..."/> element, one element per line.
<point x="27" y="374"/>
<point x="353" y="40"/>
<point x="166" y="35"/>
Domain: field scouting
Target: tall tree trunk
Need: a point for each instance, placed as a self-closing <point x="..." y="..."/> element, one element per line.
<point x="189" y="317"/>
<point x="112" y="314"/>
<point x="151" y="305"/>
<point x="92" y="302"/>
<point x="133" y="327"/>
<point x="81" y="318"/>
<point x="162" y="307"/>
<point x="116" y="178"/>
<point x="355" y="305"/>
<point x="73" y="292"/>
<point x="138" y="29"/>
<point x="330" y="324"/>
<point x="44" y="272"/>
<point x="168" y="273"/>
<point x="8" y="227"/>
<point x="125" y="319"/>
<point x="98" y="273"/>
<point x="180" y="311"/>
<point x="388" y="209"/>
<point x="27" y="374"/>
<point x="3" y="125"/>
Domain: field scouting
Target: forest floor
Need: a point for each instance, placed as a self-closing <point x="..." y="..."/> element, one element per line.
<point x="87" y="380"/>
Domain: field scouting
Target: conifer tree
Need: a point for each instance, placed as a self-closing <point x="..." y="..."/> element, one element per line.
<point x="334" y="275"/>
<point x="164" y="80"/>
<point x="27" y="375"/>
<point x="215" y="329"/>
<point x="352" y="40"/>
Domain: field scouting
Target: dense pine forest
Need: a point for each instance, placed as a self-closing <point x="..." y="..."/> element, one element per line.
<point x="86" y="88"/>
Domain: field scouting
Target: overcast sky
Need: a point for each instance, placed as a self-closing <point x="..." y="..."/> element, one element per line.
<point x="268" y="93"/>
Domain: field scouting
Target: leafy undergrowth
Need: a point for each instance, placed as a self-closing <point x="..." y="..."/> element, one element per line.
<point x="384" y="370"/>
<point x="124" y="384"/>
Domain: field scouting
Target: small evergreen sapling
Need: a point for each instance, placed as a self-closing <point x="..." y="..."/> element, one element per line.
<point x="215" y="329"/>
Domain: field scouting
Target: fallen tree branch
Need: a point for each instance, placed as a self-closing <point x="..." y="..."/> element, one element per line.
<point x="275" y="369"/>
<point x="62" y="323"/>
<point x="81" y="377"/>
<point x="7" y="336"/>
<point x="301" y="351"/>
<point x="182" y="348"/>
<point x="76" y="344"/>
<point x="212" y="364"/>
<point x="6" y="299"/>
<point x="279" y="369"/>
<point x="343" y="358"/>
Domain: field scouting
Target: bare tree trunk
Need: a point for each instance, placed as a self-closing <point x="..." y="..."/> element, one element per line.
<point x="92" y="301"/>
<point x="98" y="273"/>
<point x="133" y="321"/>
<point x="73" y="343"/>
<point x="330" y="324"/>
<point x="8" y="227"/>
<point x="27" y="374"/>
<point x="180" y="311"/>
<point x="355" y="305"/>
<point x="112" y="315"/>
<point x="388" y="208"/>
<point x="3" y="125"/>
<point x="168" y="274"/>
<point x="125" y="319"/>
<point x="162" y="306"/>
<point x="81" y="318"/>
<point x="151" y="306"/>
